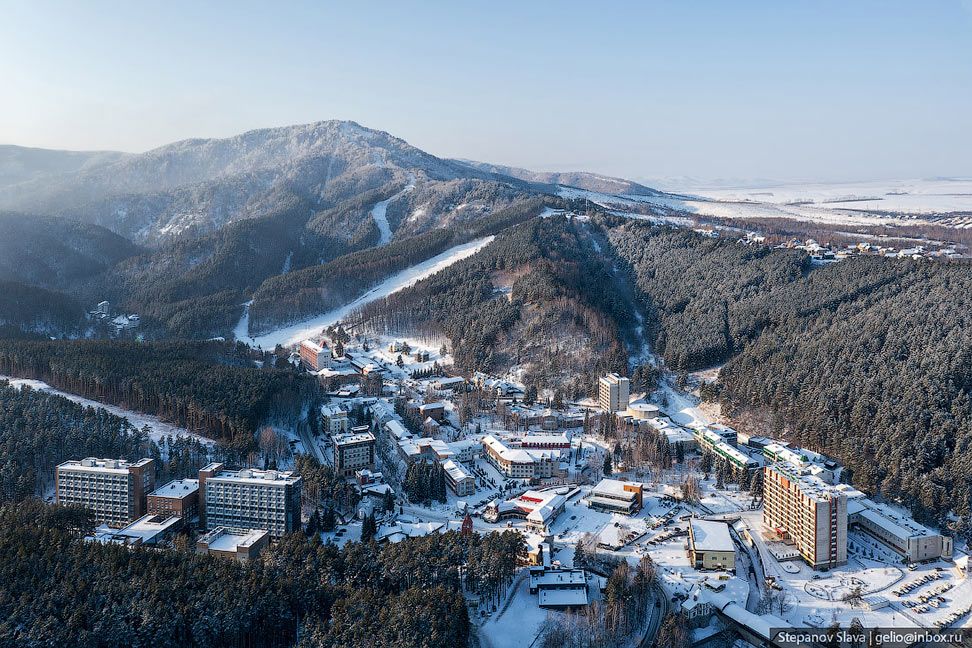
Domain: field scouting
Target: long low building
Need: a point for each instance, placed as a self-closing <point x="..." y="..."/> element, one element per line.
<point x="546" y="441"/>
<point x="615" y="496"/>
<point x="229" y="542"/>
<point x="899" y="533"/>
<point x="712" y="441"/>
<point x="559" y="588"/>
<point x="148" y="530"/>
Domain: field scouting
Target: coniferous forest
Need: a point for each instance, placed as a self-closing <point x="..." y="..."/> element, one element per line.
<point x="868" y="360"/>
<point x="203" y="386"/>
<point x="58" y="590"/>
<point x="537" y="285"/>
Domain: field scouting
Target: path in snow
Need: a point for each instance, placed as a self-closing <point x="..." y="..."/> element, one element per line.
<point x="294" y="333"/>
<point x="157" y="428"/>
<point x="378" y="212"/>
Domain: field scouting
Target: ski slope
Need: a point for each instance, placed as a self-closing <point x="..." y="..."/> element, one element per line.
<point x="294" y="333"/>
<point x="379" y="213"/>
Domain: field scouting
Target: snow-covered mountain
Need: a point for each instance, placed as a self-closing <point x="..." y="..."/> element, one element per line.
<point x="196" y="186"/>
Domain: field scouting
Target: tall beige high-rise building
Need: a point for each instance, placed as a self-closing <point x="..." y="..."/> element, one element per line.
<point x="805" y="509"/>
<point x="613" y="392"/>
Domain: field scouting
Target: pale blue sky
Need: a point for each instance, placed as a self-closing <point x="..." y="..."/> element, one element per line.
<point x="811" y="91"/>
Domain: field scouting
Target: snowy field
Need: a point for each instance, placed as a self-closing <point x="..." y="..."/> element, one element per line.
<point x="911" y="196"/>
<point x="746" y="206"/>
<point x="294" y="333"/>
<point x="158" y="429"/>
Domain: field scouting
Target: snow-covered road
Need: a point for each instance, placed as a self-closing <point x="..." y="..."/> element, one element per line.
<point x="294" y="333"/>
<point x="380" y="210"/>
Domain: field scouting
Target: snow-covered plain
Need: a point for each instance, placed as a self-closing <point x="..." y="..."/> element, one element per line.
<point x="912" y="196"/>
<point x="157" y="428"/>
<point x="758" y="204"/>
<point x="294" y="333"/>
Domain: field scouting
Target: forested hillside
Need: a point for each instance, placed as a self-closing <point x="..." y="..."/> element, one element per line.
<point x="57" y="590"/>
<point x="57" y="253"/>
<point x="39" y="431"/>
<point x="696" y="289"/>
<point x="199" y="385"/>
<point x="32" y="309"/>
<point x="539" y="296"/>
<point x="868" y="360"/>
<point x="871" y="360"/>
<point x="317" y="289"/>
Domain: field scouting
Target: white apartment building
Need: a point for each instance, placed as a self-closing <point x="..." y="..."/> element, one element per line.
<point x="113" y="489"/>
<point x="250" y="499"/>
<point x="613" y="392"/>
<point x="314" y="356"/>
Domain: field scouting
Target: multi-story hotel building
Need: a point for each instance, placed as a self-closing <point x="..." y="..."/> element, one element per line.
<point x="353" y="451"/>
<point x="802" y="507"/>
<point x="314" y="356"/>
<point x="518" y="464"/>
<point x="250" y="499"/>
<point x="179" y="498"/>
<point x="334" y="420"/>
<point x="613" y="392"/>
<point x="114" y="489"/>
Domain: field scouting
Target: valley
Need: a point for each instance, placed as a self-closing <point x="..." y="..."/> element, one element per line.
<point x="293" y="295"/>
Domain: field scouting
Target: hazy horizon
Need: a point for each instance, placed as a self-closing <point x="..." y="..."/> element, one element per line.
<point x="708" y="92"/>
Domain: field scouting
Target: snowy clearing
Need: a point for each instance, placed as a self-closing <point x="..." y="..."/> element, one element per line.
<point x="296" y="332"/>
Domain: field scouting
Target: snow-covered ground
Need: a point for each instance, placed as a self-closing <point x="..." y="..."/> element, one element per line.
<point x="683" y="408"/>
<point x="815" y="597"/>
<point x="912" y="196"/>
<point x="157" y="428"/>
<point x="242" y="330"/>
<point x="294" y="333"/>
<point x="746" y="206"/>
<point x="379" y="211"/>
